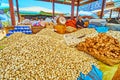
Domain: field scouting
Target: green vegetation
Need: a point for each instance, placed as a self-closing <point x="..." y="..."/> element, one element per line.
<point x="6" y="10"/>
<point x="5" y="24"/>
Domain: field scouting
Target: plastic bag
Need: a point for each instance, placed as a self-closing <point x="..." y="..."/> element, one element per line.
<point x="108" y="71"/>
<point x="94" y="74"/>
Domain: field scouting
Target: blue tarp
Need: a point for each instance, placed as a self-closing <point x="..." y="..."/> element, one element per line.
<point x="92" y="6"/>
<point x="94" y="74"/>
<point x="97" y="5"/>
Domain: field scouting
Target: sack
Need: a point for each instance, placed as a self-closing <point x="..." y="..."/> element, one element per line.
<point x="94" y="74"/>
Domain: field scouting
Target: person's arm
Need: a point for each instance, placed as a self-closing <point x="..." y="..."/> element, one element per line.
<point x="78" y="25"/>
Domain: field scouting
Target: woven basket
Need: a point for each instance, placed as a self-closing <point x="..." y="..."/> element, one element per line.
<point x="36" y="29"/>
<point x="8" y="28"/>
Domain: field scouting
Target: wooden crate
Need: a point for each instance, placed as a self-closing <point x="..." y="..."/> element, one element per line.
<point x="36" y="29"/>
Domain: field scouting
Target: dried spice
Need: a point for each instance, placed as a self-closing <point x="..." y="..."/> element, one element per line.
<point x="103" y="47"/>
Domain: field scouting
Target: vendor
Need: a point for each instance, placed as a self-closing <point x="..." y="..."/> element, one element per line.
<point x="80" y="23"/>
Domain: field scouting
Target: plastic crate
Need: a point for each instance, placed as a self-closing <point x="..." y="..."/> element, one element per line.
<point x="11" y="31"/>
<point x="23" y="29"/>
<point x="7" y="35"/>
<point x="101" y="29"/>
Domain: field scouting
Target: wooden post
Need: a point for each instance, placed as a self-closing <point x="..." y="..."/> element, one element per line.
<point x="102" y="9"/>
<point x="17" y="5"/>
<point x="77" y="8"/>
<point x="53" y="9"/>
<point x="12" y="12"/>
<point x="110" y="13"/>
<point x="72" y="9"/>
<point x="119" y="14"/>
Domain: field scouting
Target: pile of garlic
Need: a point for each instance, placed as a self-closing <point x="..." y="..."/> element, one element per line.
<point x="11" y="39"/>
<point x="42" y="57"/>
<point x="115" y="34"/>
<point x="75" y="38"/>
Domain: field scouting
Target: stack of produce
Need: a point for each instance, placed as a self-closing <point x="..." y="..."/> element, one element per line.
<point x="70" y="25"/>
<point x="60" y="27"/>
<point x="61" y="20"/>
<point x="70" y="29"/>
<point x="51" y="33"/>
<point x="84" y="31"/>
<point x="74" y="38"/>
<point x="103" y="47"/>
<point x="26" y="22"/>
<point x="50" y="25"/>
<point x="12" y="39"/>
<point x="36" y="23"/>
<point x="42" y="23"/>
<point x="42" y="57"/>
<point x="115" y="34"/>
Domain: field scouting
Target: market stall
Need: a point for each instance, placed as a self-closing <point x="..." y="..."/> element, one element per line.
<point x="55" y="49"/>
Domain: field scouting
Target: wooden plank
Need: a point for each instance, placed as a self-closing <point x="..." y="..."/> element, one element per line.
<point x="119" y="14"/>
<point x="53" y="8"/>
<point x="12" y="12"/>
<point x="72" y="9"/>
<point x="110" y="13"/>
<point x="102" y="9"/>
<point x="77" y="8"/>
<point x="17" y="5"/>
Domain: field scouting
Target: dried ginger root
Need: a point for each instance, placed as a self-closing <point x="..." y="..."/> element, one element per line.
<point x="103" y="47"/>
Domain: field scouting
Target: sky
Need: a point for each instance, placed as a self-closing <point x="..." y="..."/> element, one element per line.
<point x="38" y="5"/>
<point x="48" y="5"/>
<point x="34" y="3"/>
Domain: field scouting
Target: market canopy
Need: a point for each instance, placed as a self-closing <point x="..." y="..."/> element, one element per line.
<point x="96" y="6"/>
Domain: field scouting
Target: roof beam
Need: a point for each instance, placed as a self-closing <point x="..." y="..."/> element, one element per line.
<point x="69" y="3"/>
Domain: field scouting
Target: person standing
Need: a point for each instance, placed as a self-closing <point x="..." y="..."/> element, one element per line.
<point x="80" y="23"/>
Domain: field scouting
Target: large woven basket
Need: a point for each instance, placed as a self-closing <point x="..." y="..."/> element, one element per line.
<point x="36" y="29"/>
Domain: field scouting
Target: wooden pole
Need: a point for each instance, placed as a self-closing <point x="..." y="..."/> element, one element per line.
<point x="77" y="8"/>
<point x="17" y="5"/>
<point x="110" y="13"/>
<point x="53" y="9"/>
<point x="102" y="9"/>
<point x="12" y="12"/>
<point x="72" y="9"/>
<point x="119" y="14"/>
